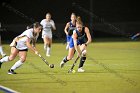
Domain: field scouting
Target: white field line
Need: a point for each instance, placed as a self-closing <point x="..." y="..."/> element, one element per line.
<point x="7" y="90"/>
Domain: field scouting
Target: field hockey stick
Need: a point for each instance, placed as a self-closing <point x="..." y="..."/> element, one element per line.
<point x="73" y="65"/>
<point x="50" y="65"/>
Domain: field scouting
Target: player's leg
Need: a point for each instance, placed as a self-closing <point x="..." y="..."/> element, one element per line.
<point x="68" y="41"/>
<point x="46" y="40"/>
<point x="67" y="46"/>
<point x="70" y="53"/>
<point x="49" y="47"/>
<point x="12" y="56"/>
<point x="22" y="55"/>
<point x="83" y="58"/>
<point x="67" y="58"/>
<point x="47" y="43"/>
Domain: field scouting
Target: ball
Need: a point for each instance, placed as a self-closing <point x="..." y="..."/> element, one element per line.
<point x="51" y="65"/>
<point x="73" y="71"/>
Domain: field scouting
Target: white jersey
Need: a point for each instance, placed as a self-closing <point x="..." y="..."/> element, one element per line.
<point x="47" y="28"/>
<point x="29" y="34"/>
<point x="21" y="42"/>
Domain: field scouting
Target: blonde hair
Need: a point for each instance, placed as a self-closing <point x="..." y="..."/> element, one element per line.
<point x="78" y="20"/>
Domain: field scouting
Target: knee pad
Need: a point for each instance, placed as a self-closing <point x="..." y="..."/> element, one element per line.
<point x="84" y="53"/>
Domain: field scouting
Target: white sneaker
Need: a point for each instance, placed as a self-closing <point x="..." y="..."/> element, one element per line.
<point x="62" y="64"/>
<point x="81" y="70"/>
<point x="48" y="55"/>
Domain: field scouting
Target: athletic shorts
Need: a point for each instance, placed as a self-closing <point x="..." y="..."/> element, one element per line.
<point x="79" y="42"/>
<point x="68" y="38"/>
<point x="47" y="34"/>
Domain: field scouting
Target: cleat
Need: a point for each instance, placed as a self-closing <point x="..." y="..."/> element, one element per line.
<point x="62" y="64"/>
<point x="48" y="55"/>
<point x="81" y="70"/>
<point x="10" y="71"/>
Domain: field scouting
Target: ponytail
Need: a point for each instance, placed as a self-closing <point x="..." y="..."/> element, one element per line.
<point x="29" y="26"/>
<point x="36" y="25"/>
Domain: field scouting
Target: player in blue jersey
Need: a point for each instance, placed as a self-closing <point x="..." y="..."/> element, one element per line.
<point x="70" y="26"/>
<point x="79" y="44"/>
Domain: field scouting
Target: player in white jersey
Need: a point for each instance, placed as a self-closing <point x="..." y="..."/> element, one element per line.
<point x="48" y="26"/>
<point x="20" y="46"/>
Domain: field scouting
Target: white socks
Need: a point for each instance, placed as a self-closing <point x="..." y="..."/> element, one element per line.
<point x="16" y="65"/>
<point x="48" y="51"/>
<point x="4" y="59"/>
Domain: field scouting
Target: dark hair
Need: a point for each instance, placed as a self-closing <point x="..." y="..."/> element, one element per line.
<point x="48" y="14"/>
<point x="36" y="24"/>
<point x="73" y="14"/>
<point x="29" y="26"/>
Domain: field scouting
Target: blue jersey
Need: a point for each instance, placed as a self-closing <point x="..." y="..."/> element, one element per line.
<point x="71" y="28"/>
<point x="81" y="38"/>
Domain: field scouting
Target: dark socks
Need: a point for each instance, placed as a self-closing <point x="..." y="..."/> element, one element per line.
<point x="82" y="61"/>
<point x="65" y="59"/>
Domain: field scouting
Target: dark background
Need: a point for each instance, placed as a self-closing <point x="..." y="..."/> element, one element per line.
<point x="122" y="15"/>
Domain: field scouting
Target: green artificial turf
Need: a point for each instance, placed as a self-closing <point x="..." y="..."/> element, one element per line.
<point x="111" y="67"/>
